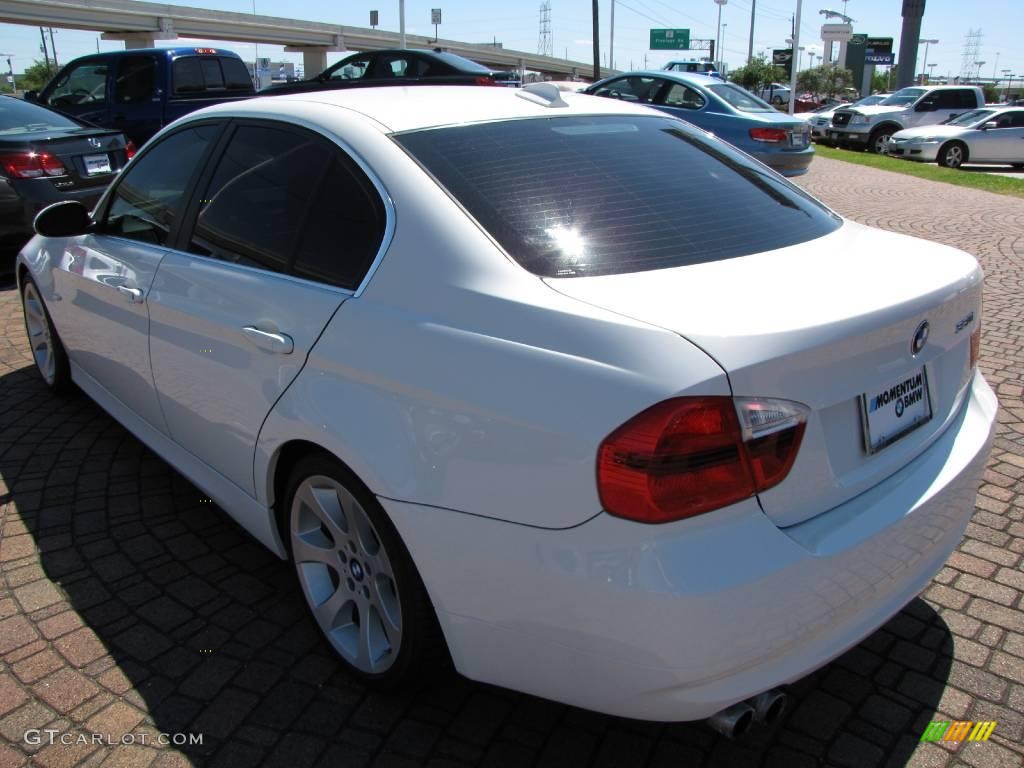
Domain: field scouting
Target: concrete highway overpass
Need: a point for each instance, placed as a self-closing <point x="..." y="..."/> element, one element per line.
<point x="140" y="24"/>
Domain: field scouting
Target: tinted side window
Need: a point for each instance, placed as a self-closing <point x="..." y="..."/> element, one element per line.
<point x="290" y="202"/>
<point x="136" y="78"/>
<point x="256" y="202"/>
<point x="150" y="196"/>
<point x="84" y="84"/>
<point x="634" y="89"/>
<point x="352" y="69"/>
<point x="679" y="95"/>
<point x="968" y="99"/>
<point x="1017" y="120"/>
<point x="345" y="227"/>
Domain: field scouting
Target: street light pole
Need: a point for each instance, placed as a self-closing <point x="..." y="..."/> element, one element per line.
<point x="718" y="30"/>
<point x="611" y="40"/>
<point x="926" y="44"/>
<point x="401" y="23"/>
<point x="796" y="45"/>
<point x="750" y="43"/>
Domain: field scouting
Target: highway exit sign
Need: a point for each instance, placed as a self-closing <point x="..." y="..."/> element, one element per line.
<point x="670" y="39"/>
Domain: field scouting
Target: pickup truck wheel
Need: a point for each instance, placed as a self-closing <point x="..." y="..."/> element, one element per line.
<point x="952" y="155"/>
<point x="880" y="140"/>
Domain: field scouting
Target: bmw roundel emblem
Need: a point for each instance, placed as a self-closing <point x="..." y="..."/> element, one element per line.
<point x="920" y="338"/>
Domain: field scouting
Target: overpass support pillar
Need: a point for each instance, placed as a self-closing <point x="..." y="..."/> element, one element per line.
<point x="314" y="58"/>
<point x="145" y="39"/>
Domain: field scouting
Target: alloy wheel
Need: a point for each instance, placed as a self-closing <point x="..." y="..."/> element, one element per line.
<point x="346" y="574"/>
<point x="39" y="337"/>
<point x="953" y="156"/>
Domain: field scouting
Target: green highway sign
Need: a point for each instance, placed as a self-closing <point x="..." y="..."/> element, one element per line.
<point x="670" y="39"/>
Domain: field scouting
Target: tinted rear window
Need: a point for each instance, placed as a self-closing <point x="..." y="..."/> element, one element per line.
<point x="197" y="74"/>
<point x="17" y="116"/>
<point x="577" y="196"/>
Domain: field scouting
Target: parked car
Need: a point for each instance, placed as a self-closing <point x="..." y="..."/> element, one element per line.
<point x="990" y="135"/>
<point x="820" y="119"/>
<point x="399" y="67"/>
<point x="140" y="90"/>
<point x="700" y="66"/>
<point x="46" y="157"/>
<point x="725" y="109"/>
<point x="872" y="127"/>
<point x="610" y="413"/>
<point x="776" y="93"/>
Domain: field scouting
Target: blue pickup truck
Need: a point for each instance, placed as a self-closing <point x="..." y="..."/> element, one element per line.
<point x="141" y="90"/>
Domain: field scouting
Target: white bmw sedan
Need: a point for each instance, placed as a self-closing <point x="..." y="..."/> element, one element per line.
<point x="557" y="387"/>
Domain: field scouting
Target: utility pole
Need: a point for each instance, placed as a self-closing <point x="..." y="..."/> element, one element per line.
<point x="597" y="41"/>
<point x="401" y="23"/>
<point x="750" y="43"/>
<point x="53" y="50"/>
<point x="44" y="48"/>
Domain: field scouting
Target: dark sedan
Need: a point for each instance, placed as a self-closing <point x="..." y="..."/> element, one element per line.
<point x="46" y="157"/>
<point x="399" y="67"/>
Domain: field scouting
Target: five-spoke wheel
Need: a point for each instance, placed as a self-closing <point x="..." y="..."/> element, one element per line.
<point x="47" y="350"/>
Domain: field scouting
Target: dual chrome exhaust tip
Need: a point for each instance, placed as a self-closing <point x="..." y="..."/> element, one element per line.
<point x="764" y="709"/>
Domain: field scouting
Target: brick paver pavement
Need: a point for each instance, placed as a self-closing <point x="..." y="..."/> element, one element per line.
<point x="128" y="606"/>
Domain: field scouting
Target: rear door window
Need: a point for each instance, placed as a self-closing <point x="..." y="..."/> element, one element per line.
<point x="136" y="79"/>
<point x="576" y="196"/>
<point x="289" y="201"/>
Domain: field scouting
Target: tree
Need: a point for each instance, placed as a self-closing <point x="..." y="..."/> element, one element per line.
<point x="825" y="80"/>
<point x="758" y="74"/>
<point x="36" y="76"/>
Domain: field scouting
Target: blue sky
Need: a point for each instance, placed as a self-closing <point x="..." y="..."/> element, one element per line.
<point x="516" y="25"/>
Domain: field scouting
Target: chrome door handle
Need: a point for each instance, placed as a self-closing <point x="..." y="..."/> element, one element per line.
<point x="135" y="294"/>
<point x="272" y="342"/>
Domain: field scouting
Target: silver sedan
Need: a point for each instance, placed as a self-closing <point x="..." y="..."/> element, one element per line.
<point x="989" y="135"/>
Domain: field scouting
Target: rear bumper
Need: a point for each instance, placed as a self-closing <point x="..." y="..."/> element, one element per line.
<point x="787" y="162"/>
<point x="677" y="621"/>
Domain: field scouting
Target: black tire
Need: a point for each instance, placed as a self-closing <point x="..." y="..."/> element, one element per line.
<point x="422" y="652"/>
<point x="52" y="364"/>
<point x="1017" y="166"/>
<point x="952" y="154"/>
<point x="879" y="138"/>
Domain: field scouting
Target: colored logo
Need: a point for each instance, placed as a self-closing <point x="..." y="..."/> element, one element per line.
<point x="920" y="337"/>
<point x="958" y="731"/>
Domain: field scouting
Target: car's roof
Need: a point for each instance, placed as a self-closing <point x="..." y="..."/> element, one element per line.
<point x="406" y="108"/>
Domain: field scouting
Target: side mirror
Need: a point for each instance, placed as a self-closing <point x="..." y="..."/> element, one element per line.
<point x="990" y="124"/>
<point x="925" y="106"/>
<point x="32" y="95"/>
<point x="64" y="219"/>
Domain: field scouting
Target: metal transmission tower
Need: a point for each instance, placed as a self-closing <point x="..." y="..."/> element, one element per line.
<point x="545" y="40"/>
<point x="971" y="54"/>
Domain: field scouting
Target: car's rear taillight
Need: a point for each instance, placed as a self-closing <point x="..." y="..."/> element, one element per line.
<point x="690" y="455"/>
<point x="31" y="165"/>
<point x="130" y="150"/>
<point x="486" y="81"/>
<point x="769" y="135"/>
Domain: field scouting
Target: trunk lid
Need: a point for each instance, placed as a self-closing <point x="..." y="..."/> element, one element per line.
<point x="822" y="323"/>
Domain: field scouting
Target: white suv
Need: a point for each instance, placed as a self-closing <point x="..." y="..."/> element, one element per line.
<point x="872" y="126"/>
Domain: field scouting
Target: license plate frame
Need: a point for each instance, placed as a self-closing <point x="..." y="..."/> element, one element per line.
<point x="879" y="428"/>
<point x="97" y="164"/>
<point x="798" y="139"/>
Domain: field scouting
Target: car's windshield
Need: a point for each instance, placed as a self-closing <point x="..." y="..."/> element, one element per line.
<point x="739" y="98"/>
<point x="867" y="101"/>
<point x="598" y="195"/>
<point x="968" y="119"/>
<point x="903" y="96"/>
<point x="17" y="116"/>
